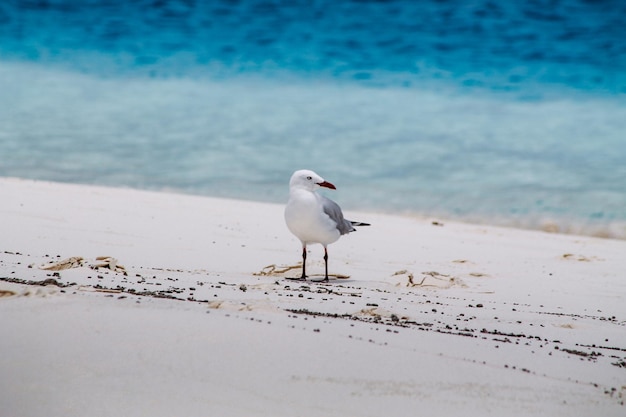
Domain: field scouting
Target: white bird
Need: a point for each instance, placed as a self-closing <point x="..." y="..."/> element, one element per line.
<point x="313" y="218"/>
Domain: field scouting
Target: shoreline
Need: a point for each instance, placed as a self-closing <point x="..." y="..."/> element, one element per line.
<point x="130" y="301"/>
<point x="547" y="224"/>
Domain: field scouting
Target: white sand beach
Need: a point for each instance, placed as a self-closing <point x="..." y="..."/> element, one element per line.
<point x="135" y="303"/>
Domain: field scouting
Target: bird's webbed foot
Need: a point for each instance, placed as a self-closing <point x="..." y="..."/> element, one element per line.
<point x="302" y="278"/>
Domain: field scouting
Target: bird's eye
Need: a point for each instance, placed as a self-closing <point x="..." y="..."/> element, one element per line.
<point x="309" y="178"/>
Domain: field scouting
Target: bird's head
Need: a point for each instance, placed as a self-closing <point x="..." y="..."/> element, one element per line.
<point x="308" y="180"/>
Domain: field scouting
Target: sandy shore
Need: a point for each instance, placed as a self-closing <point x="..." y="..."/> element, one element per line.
<point x="124" y="302"/>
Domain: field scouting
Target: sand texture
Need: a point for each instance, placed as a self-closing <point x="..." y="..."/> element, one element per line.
<point x="135" y="303"/>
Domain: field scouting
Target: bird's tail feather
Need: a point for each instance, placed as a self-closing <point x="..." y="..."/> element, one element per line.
<point x="358" y="223"/>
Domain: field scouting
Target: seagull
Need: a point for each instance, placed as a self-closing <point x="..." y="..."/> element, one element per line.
<point x="313" y="218"/>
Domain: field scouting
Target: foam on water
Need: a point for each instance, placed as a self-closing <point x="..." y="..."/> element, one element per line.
<point x="553" y="164"/>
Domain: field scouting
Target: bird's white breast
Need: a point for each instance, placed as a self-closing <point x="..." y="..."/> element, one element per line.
<point x="306" y="219"/>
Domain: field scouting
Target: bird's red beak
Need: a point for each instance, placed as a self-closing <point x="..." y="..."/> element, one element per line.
<point x="327" y="185"/>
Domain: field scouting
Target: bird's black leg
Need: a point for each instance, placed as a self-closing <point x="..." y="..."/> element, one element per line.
<point x="326" y="264"/>
<point x="303" y="277"/>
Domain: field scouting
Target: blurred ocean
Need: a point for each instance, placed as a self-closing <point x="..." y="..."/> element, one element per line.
<point x="509" y="113"/>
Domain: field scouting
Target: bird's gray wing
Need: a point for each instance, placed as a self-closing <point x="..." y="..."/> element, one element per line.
<point x="333" y="211"/>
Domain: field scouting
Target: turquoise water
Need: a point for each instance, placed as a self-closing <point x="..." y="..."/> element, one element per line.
<point x="505" y="114"/>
